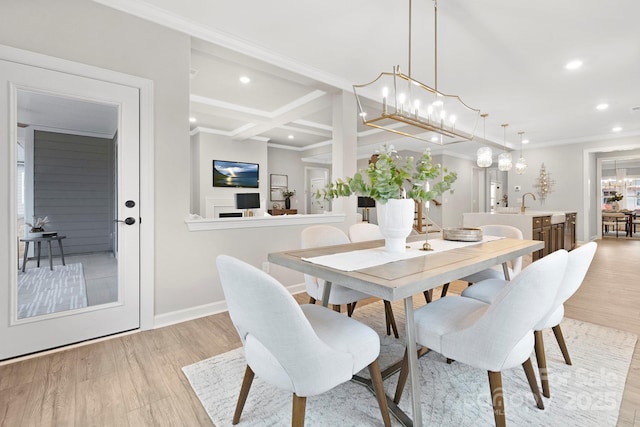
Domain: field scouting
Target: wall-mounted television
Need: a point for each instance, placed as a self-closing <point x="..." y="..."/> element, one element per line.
<point x="247" y="200"/>
<point x="235" y="174"/>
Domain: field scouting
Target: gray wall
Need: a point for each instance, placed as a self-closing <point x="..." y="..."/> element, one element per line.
<point x="73" y="186"/>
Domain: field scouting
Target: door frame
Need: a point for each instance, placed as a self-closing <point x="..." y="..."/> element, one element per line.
<point x="145" y="87"/>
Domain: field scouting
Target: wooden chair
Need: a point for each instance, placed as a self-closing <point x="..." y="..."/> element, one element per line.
<point x="306" y="349"/>
<point x="492" y="337"/>
<point x="578" y="263"/>
<point x="616" y="220"/>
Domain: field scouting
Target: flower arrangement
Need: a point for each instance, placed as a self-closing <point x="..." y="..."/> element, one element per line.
<point x="288" y="193"/>
<point x="616" y="197"/>
<point x="388" y="175"/>
<point x="38" y="224"/>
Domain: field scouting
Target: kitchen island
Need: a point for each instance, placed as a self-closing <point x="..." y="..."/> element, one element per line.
<point x="557" y="229"/>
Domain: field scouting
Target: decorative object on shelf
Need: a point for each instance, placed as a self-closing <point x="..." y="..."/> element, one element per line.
<point x="484" y="154"/>
<point x="543" y="183"/>
<point x="504" y="159"/>
<point x="521" y="164"/>
<point x="389" y="178"/>
<point x="411" y="108"/>
<point x="287" y="197"/>
<point x="505" y="200"/>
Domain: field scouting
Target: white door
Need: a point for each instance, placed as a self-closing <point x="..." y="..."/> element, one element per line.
<point x="317" y="206"/>
<point x="101" y="274"/>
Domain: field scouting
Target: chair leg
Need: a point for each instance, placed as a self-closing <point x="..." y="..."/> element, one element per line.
<point x="428" y="295"/>
<point x="336" y="307"/>
<point x="402" y="379"/>
<point x="542" y="363"/>
<point x="390" y="319"/>
<point x="376" y="380"/>
<point x="351" y="308"/>
<point x="531" y="377"/>
<point x="244" y="392"/>
<point x="563" y="346"/>
<point x="312" y="300"/>
<point x="299" y="407"/>
<point x="445" y="288"/>
<point x="497" y="398"/>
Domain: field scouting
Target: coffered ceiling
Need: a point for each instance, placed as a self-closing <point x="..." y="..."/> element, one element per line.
<point x="503" y="57"/>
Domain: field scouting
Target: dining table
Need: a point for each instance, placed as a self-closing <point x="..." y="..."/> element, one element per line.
<point x="366" y="267"/>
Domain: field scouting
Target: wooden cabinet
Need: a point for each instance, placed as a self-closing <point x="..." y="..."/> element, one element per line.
<point x="283" y="211"/>
<point x="570" y="230"/>
<point x="541" y="230"/>
<point x="555" y="236"/>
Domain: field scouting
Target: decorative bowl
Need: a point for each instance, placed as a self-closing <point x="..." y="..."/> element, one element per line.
<point x="462" y="234"/>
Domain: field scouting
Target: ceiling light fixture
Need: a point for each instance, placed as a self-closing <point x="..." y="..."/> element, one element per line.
<point x="521" y="164"/>
<point x="484" y="155"/>
<point x="504" y="159"/>
<point x="573" y="65"/>
<point x="245" y="80"/>
<point x="616" y="129"/>
<point x="192" y="120"/>
<point x="419" y="108"/>
<point x="290" y="136"/>
<point x="601" y="107"/>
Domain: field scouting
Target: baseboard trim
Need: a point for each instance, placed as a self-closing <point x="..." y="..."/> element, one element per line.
<point x="179" y="316"/>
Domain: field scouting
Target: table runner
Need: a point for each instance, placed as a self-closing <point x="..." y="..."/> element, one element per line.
<point x="365" y="258"/>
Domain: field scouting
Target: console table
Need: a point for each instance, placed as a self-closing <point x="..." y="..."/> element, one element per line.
<point x="39" y="241"/>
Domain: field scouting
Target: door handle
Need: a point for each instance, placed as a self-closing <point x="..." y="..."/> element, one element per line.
<point x="129" y="221"/>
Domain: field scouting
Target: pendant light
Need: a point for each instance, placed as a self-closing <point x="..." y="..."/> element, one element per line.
<point x="504" y="159"/>
<point x="484" y="155"/>
<point x="521" y="164"/>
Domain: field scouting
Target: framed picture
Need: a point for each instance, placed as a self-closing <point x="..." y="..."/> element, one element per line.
<point x="278" y="183"/>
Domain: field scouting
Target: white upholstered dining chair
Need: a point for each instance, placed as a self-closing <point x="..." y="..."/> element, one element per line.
<point x="514" y="266"/>
<point x="578" y="264"/>
<point x="364" y="232"/>
<point x="306" y="349"/>
<point x="493" y="337"/>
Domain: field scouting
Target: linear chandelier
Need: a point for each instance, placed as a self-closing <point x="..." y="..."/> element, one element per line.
<point x="407" y="107"/>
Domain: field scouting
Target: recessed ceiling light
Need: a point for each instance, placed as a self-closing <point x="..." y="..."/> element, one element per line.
<point x="290" y="137"/>
<point x="573" y="65"/>
<point x="525" y="141"/>
<point x="617" y="129"/>
<point x="192" y="119"/>
<point x="602" y="107"/>
<point x="245" y="80"/>
<point x="434" y="138"/>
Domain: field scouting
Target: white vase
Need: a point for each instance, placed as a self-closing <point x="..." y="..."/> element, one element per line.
<point x="615" y="206"/>
<point x="395" y="219"/>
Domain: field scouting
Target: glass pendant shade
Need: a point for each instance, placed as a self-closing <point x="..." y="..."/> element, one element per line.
<point x="484" y="157"/>
<point x="521" y="166"/>
<point x="504" y="161"/>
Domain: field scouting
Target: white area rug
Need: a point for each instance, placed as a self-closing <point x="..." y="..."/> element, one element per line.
<point x="588" y="393"/>
<point x="43" y="291"/>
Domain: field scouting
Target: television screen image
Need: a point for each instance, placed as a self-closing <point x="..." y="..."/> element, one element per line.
<point x="235" y="174"/>
<point x="247" y="200"/>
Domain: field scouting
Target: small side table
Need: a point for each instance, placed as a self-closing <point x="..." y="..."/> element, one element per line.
<point x="39" y="241"/>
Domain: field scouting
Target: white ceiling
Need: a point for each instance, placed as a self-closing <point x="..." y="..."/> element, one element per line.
<point x="503" y="57"/>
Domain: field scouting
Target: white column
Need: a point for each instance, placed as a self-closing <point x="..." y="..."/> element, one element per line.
<point x="344" y="149"/>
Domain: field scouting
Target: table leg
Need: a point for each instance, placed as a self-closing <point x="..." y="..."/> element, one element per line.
<point x="505" y="270"/>
<point x="39" y="247"/>
<point x="325" y="293"/>
<point x="50" y="255"/>
<point x="24" y="258"/>
<point x="61" y="251"/>
<point x="414" y="376"/>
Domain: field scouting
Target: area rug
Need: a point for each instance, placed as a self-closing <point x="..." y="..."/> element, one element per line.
<point x="44" y="291"/>
<point x="588" y="393"/>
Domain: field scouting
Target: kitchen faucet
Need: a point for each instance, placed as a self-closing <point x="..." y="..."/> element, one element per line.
<point x="522" y="208"/>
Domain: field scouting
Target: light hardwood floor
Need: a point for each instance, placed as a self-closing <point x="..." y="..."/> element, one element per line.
<point x="136" y="380"/>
